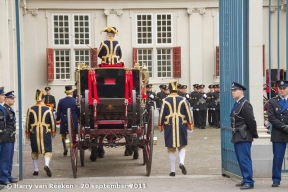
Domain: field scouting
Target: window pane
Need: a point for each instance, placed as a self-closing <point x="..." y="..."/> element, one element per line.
<point x="164" y="29"/>
<point x="60" y="28"/>
<point x="82" y="56"/>
<point x="81" y="29"/>
<point x="144" y="29"/>
<point x="145" y="56"/>
<point x="62" y="64"/>
<point x="164" y="62"/>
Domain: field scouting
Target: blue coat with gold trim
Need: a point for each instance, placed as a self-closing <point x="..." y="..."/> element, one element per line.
<point x="40" y="127"/>
<point x="63" y="105"/>
<point x="110" y="52"/>
<point x="175" y="116"/>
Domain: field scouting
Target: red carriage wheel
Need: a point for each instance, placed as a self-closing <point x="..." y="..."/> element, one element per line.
<point x="73" y="143"/>
<point x="149" y="142"/>
<point x="80" y="145"/>
<point x="144" y="148"/>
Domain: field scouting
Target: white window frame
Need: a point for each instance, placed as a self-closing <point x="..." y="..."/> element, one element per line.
<point x="154" y="46"/>
<point x="72" y="46"/>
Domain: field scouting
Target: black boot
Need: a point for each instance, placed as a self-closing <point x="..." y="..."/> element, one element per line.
<point x="64" y="146"/>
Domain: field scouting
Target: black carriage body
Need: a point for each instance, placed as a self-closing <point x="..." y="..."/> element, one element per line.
<point x="111" y="87"/>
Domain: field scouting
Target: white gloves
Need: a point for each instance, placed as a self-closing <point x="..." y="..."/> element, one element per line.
<point x="187" y="96"/>
<point x="189" y="131"/>
<point x="151" y="96"/>
<point x="58" y="126"/>
<point x="213" y="109"/>
<point x="197" y="109"/>
<point x="205" y="96"/>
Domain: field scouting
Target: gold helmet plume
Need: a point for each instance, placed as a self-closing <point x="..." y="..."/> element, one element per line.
<point x="39" y="95"/>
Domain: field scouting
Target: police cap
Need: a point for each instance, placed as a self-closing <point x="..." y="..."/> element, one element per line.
<point x="282" y="83"/>
<point x="149" y="86"/>
<point x="47" y="88"/>
<point x="236" y="85"/>
<point x="10" y="94"/>
<point x="2" y="91"/>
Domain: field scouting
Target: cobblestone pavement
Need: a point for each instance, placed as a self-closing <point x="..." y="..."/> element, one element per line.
<point x="203" y="164"/>
<point x="202" y="158"/>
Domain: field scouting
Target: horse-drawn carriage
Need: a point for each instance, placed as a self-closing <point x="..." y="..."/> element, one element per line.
<point x="112" y="102"/>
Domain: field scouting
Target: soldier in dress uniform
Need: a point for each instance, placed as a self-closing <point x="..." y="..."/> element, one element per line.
<point x="209" y="104"/>
<point x="174" y="122"/>
<point x="8" y="140"/>
<point x="62" y="119"/>
<point x="194" y="106"/>
<point x="166" y="91"/>
<point x="202" y="105"/>
<point x="110" y="50"/>
<point x="244" y="130"/>
<point x="278" y="117"/>
<point x="50" y="99"/>
<point x="216" y="105"/>
<point x="159" y="96"/>
<point x="183" y="92"/>
<point x="40" y="129"/>
<point x="179" y="90"/>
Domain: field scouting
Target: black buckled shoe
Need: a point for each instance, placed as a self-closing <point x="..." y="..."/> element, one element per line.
<point x="172" y="174"/>
<point x="240" y="184"/>
<point x="275" y="185"/>
<point x="48" y="172"/>
<point x="13" y="180"/>
<point x="65" y="152"/>
<point x="35" y="173"/>
<point x="4" y="183"/>
<point x="182" y="167"/>
<point x="246" y="186"/>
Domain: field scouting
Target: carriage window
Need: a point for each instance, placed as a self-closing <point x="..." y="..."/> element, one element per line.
<point x="70" y="34"/>
<point x="154" y="32"/>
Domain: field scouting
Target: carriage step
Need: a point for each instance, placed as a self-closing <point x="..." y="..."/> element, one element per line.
<point x="111" y="122"/>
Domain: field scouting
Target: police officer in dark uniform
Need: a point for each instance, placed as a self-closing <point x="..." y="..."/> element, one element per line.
<point x="183" y="92"/>
<point x="202" y="105"/>
<point x="244" y="130"/>
<point x="50" y="99"/>
<point x="209" y="102"/>
<point x="193" y="102"/>
<point x="8" y="140"/>
<point x="151" y="97"/>
<point x="278" y="117"/>
<point x="63" y="105"/>
<point x="2" y="119"/>
<point x="75" y="92"/>
<point x="159" y="96"/>
<point x="110" y="50"/>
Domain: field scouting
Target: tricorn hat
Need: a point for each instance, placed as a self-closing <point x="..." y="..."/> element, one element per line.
<point x="39" y="95"/>
<point x="110" y="30"/>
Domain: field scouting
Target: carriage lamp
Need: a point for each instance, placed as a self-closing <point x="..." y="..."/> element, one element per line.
<point x="154" y="140"/>
<point x="67" y="143"/>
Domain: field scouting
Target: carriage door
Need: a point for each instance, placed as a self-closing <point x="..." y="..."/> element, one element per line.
<point x="234" y="49"/>
<point x="275" y="52"/>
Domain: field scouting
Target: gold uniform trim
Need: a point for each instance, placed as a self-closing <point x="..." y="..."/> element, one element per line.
<point x="38" y="126"/>
<point x="111" y="53"/>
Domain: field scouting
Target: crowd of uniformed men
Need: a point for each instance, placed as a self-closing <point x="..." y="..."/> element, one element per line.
<point x="205" y="106"/>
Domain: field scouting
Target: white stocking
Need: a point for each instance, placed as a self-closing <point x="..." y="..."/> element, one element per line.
<point x="182" y="155"/>
<point x="172" y="158"/>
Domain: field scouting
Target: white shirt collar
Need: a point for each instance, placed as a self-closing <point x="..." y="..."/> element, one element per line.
<point x="239" y="99"/>
<point x="284" y="98"/>
<point x="2" y="104"/>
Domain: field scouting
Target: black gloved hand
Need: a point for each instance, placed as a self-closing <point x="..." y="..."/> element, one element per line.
<point x="285" y="128"/>
<point x="256" y="136"/>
